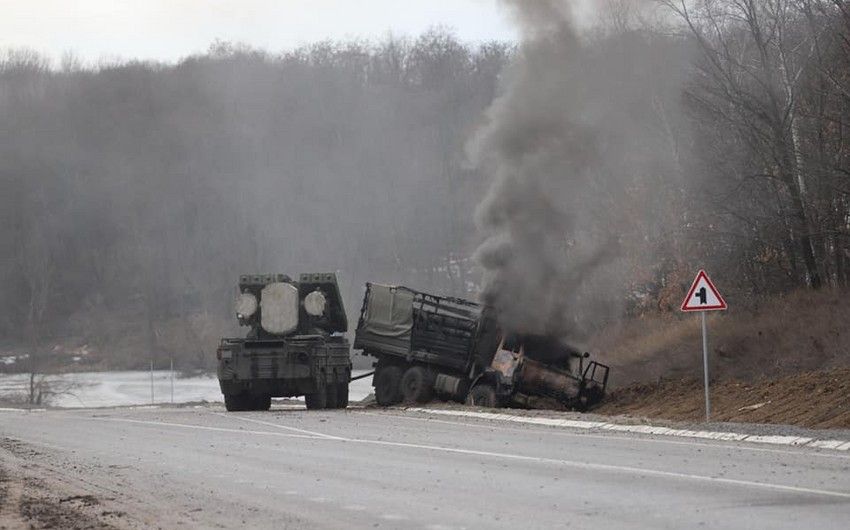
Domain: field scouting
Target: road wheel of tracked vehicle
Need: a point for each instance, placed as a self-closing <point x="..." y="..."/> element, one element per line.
<point x="482" y="395"/>
<point x="236" y="402"/>
<point x="332" y="392"/>
<point x="261" y="402"/>
<point x="343" y="394"/>
<point x="388" y="385"/>
<point x="339" y="392"/>
<point x="417" y="385"/>
<point x="318" y="399"/>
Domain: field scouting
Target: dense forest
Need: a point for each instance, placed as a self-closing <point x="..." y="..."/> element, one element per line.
<point x="133" y="194"/>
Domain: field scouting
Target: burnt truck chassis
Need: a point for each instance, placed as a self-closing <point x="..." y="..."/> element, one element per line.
<point x="519" y="379"/>
<point x="455" y="351"/>
<point x="252" y="371"/>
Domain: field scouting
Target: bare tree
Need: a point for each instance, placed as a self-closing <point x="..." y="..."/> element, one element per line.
<point x="750" y="76"/>
<point x="162" y="183"/>
<point x="37" y="267"/>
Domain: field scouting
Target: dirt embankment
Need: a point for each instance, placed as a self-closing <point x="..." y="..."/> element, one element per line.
<point x="810" y="399"/>
<point x="28" y="501"/>
<point x="782" y="361"/>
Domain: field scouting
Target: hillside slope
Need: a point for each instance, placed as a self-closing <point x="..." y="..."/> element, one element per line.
<point x="809" y="399"/>
<point x="783" y="361"/>
<point x="801" y="332"/>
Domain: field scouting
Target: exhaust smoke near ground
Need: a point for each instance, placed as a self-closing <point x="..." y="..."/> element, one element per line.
<point x="542" y="149"/>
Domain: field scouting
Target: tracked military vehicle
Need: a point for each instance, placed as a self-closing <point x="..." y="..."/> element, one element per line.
<point x="294" y="346"/>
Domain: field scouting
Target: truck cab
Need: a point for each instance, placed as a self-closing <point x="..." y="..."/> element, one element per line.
<point x="528" y="366"/>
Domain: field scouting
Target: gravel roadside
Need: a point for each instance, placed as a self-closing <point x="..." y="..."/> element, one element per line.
<point x="34" y="496"/>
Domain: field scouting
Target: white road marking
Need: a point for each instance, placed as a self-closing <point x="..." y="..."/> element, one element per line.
<point x="607" y="467"/>
<point x="278" y="426"/>
<point x="827" y="444"/>
<point x="780" y="440"/>
<point x="839" y="445"/>
<point x="205" y="428"/>
<point x="394" y="517"/>
<point x="517" y="457"/>
<point x="640" y="429"/>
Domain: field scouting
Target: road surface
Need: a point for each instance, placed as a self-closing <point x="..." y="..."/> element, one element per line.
<point x="287" y="468"/>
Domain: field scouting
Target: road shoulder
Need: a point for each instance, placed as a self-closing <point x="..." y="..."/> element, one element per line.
<point x="776" y="435"/>
<point x="32" y="497"/>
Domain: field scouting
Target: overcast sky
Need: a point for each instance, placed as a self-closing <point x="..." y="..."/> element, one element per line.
<point x="170" y="29"/>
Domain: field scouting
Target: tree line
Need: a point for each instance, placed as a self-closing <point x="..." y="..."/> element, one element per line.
<point x="134" y="193"/>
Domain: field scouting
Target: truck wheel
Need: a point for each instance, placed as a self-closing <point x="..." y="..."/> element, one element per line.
<point x="482" y="395"/>
<point x="388" y="386"/>
<point x="589" y="397"/>
<point x="417" y="385"/>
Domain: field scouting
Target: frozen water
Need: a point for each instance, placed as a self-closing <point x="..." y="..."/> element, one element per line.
<point x="110" y="389"/>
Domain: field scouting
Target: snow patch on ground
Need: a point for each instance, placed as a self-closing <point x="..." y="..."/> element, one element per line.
<point x="113" y="389"/>
<point x="840" y="445"/>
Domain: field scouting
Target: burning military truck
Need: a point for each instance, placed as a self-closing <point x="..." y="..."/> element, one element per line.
<point x="294" y="346"/>
<point x="428" y="345"/>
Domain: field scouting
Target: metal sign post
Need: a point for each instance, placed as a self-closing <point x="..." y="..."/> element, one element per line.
<point x="151" y="382"/>
<point x="172" y="380"/>
<point x="703" y="296"/>
<point x="705" y="367"/>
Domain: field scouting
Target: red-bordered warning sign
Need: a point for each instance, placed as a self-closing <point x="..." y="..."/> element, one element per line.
<point x="703" y="295"/>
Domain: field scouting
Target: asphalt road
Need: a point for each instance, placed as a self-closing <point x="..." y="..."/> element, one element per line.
<point x="202" y="467"/>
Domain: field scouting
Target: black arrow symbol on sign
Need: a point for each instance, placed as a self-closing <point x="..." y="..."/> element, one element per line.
<point x="702" y="295"/>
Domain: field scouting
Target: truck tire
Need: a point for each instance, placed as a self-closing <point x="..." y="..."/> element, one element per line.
<point x="388" y="386"/>
<point x="482" y="395"/>
<point x="589" y="397"/>
<point x="417" y="385"/>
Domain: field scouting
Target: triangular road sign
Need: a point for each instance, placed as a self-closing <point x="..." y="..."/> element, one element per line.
<point x="703" y="295"/>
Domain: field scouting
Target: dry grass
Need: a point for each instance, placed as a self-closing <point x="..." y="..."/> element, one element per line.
<point x="803" y="331"/>
<point x="810" y="399"/>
